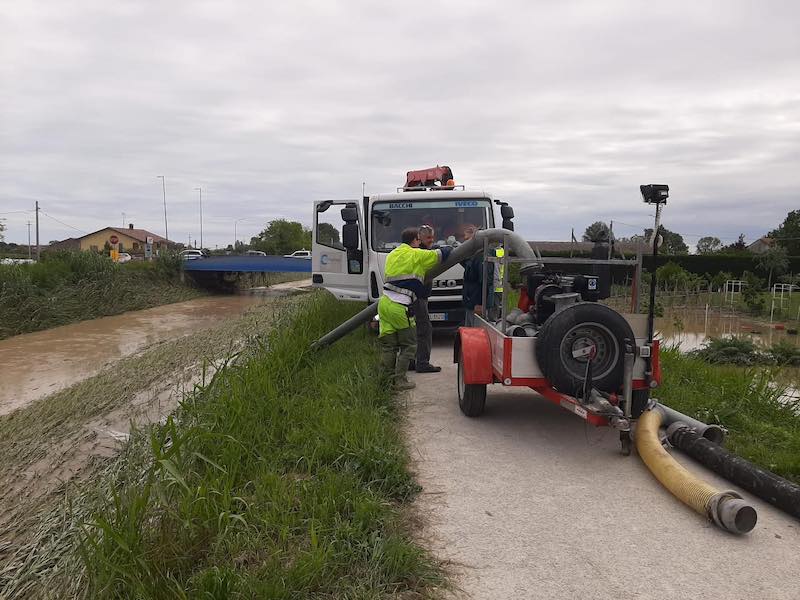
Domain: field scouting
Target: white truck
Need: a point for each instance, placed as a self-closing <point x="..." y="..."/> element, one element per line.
<point x="351" y="238"/>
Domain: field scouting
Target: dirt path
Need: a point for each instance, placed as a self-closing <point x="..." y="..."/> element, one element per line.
<point x="528" y="502"/>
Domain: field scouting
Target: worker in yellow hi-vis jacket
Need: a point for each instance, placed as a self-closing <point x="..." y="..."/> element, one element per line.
<point x="404" y="277"/>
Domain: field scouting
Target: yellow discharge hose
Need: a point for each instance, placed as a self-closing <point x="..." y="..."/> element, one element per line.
<point x="725" y="508"/>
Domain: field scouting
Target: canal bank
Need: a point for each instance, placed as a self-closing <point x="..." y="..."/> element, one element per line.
<point x="51" y="444"/>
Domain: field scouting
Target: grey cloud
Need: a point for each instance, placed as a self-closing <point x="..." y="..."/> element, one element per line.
<point x="563" y="109"/>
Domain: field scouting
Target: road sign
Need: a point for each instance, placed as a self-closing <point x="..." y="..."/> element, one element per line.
<point x="113" y="239"/>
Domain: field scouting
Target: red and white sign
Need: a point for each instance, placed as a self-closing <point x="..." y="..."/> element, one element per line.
<point x="113" y="239"/>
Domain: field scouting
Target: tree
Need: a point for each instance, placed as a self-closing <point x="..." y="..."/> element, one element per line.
<point x="788" y="233"/>
<point x="738" y="246"/>
<point x="673" y="242"/>
<point x="328" y="234"/>
<point x="282" y="237"/>
<point x="597" y="231"/>
<point x="773" y="260"/>
<point x="708" y="245"/>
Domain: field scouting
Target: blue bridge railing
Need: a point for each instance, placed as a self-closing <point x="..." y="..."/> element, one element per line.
<point x="249" y="264"/>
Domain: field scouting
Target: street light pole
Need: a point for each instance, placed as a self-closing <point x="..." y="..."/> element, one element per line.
<point x="199" y="189"/>
<point x="235" y="236"/>
<point x="38" y="249"/>
<point x="164" y="189"/>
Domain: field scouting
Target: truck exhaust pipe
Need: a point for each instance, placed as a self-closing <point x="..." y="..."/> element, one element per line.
<point x="513" y="242"/>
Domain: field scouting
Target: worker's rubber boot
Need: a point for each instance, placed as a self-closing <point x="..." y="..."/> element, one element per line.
<point x="404" y="384"/>
<point x="428" y="368"/>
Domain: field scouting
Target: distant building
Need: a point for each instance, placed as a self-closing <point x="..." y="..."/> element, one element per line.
<point x="127" y="240"/>
<point x="761" y="245"/>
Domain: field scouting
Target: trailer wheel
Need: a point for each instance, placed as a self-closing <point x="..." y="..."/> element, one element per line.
<point x="471" y="396"/>
<point x="567" y="340"/>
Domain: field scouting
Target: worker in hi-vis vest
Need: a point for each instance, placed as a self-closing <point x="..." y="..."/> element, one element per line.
<point x="498" y="281"/>
<point x="404" y="277"/>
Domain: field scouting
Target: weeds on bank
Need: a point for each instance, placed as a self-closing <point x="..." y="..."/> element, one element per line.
<point x="280" y="479"/>
<point x="763" y="421"/>
<point x="739" y="350"/>
<point x="39" y="517"/>
<point x="74" y="286"/>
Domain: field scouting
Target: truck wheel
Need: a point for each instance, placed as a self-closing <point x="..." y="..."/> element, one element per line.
<point x="471" y="396"/>
<point x="569" y="337"/>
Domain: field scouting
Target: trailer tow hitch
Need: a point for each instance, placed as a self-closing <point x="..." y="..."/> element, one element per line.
<point x="599" y="403"/>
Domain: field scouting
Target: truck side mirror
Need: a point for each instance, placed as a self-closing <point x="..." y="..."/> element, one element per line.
<point x="350" y="235"/>
<point x="508" y="215"/>
<point x="350" y="214"/>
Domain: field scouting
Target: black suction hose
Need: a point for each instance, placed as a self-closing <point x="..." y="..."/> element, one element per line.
<point x="769" y="487"/>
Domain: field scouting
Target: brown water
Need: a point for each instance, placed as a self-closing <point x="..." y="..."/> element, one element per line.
<point x="36" y="364"/>
<point x="690" y="328"/>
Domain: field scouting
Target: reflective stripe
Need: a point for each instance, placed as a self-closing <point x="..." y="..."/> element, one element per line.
<point x="397" y="297"/>
<point x="400" y="290"/>
<point x="404" y="277"/>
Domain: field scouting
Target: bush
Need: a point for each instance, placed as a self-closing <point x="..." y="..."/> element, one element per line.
<point x="784" y="353"/>
<point x="735" y="351"/>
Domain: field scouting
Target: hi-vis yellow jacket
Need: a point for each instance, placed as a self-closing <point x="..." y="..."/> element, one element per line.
<point x="404" y="276"/>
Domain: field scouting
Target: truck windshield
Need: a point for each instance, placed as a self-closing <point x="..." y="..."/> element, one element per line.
<point x="449" y="219"/>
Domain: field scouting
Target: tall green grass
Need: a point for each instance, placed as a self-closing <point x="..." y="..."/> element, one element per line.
<point x="283" y="478"/>
<point x="74" y="286"/>
<point x="763" y="422"/>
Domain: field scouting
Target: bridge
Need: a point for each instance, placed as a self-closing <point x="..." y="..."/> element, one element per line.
<point x="222" y="271"/>
<point x="248" y="264"/>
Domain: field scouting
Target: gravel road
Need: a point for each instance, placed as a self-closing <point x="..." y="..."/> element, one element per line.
<point x="528" y="501"/>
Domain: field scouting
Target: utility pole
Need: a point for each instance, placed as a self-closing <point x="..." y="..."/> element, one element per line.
<point x="199" y="189"/>
<point x="123" y="220"/>
<point x="38" y="250"/>
<point x="29" y="240"/>
<point x="164" y="189"/>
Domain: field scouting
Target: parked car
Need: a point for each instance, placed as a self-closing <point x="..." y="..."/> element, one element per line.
<point x="299" y="254"/>
<point x="124" y="257"/>
<point x="191" y="254"/>
<point x="255" y="253"/>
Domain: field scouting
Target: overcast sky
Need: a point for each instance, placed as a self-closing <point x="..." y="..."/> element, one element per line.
<point x="561" y="108"/>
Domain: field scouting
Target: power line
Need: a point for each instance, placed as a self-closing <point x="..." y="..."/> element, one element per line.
<point x="62" y="222"/>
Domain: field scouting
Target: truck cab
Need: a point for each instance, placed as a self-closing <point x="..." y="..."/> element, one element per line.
<point x="351" y="239"/>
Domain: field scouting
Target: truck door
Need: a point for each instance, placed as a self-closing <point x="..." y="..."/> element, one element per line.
<point x="337" y="254"/>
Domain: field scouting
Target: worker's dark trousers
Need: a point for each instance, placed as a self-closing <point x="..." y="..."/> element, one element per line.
<point x="424" y="332"/>
<point x="397" y="350"/>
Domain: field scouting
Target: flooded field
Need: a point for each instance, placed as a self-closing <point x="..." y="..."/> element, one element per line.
<point x="36" y="364"/>
<point x="690" y="328"/>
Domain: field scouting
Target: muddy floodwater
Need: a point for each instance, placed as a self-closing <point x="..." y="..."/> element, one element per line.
<point x="34" y="365"/>
<point x="689" y="329"/>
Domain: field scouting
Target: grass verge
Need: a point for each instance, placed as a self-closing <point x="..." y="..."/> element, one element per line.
<point x="763" y="423"/>
<point x="284" y="477"/>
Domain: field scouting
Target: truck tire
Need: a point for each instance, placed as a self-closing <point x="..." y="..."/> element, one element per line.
<point x="471" y="396"/>
<point x="579" y="327"/>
